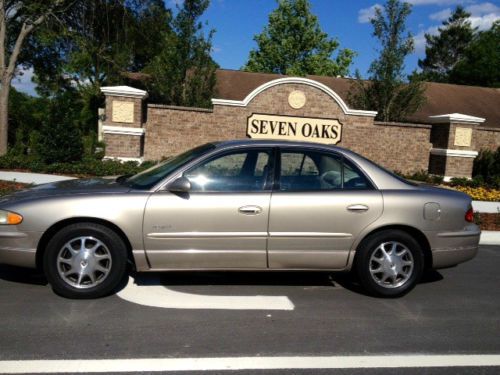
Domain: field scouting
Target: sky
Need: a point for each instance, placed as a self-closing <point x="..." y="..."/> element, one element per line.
<point x="237" y="21"/>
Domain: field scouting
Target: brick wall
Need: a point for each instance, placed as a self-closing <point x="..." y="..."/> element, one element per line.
<point x="170" y="130"/>
<point x="487" y="138"/>
<point x="121" y="145"/>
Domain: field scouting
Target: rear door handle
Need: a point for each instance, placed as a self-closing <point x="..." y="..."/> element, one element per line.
<point x="357" y="208"/>
<point x="250" y="210"/>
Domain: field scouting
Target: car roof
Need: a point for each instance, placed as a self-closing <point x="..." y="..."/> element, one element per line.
<point x="272" y="142"/>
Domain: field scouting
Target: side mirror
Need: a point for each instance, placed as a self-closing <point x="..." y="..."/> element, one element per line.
<point x="180" y="185"/>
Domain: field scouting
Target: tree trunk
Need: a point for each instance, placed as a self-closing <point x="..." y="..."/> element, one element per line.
<point x="4" y="116"/>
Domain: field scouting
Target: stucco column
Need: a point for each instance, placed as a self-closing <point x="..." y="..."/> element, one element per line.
<point x="123" y="122"/>
<point x="453" y="139"/>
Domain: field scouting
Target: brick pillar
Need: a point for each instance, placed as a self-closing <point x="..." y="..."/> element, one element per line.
<point x="453" y="138"/>
<point x="123" y="123"/>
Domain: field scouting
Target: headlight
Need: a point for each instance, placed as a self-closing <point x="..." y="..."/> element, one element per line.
<point x="10" y="218"/>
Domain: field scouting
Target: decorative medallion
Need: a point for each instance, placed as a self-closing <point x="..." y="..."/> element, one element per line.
<point x="297" y="99"/>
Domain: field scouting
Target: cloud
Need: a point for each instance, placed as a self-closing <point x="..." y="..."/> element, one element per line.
<point x="484" y="8"/>
<point x="419" y="39"/>
<point x="441" y="15"/>
<point x="484" y="22"/>
<point x="23" y="81"/>
<point x="366" y="14"/>
<point x="482" y="15"/>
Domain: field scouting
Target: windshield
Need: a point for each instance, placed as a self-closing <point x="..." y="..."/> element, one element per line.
<point x="150" y="177"/>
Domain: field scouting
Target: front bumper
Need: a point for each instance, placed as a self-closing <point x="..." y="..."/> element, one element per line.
<point x="452" y="248"/>
<point x="19" y="248"/>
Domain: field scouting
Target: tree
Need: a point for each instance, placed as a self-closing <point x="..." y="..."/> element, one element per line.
<point x="60" y="138"/>
<point x="387" y="91"/>
<point x="480" y="62"/>
<point x="292" y="43"/>
<point x="183" y="72"/>
<point x="18" y="20"/>
<point x="444" y="50"/>
<point x="97" y="46"/>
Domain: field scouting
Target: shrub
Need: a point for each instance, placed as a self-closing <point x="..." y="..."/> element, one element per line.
<point x="60" y="139"/>
<point x="86" y="167"/>
<point x="487" y="168"/>
<point x="422" y="176"/>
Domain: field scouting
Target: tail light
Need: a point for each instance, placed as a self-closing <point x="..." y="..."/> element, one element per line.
<point x="469" y="215"/>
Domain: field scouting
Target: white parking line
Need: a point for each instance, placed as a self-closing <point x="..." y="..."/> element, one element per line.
<point x="160" y="296"/>
<point x="247" y="363"/>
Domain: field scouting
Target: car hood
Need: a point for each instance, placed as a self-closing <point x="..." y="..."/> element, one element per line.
<point x="68" y="187"/>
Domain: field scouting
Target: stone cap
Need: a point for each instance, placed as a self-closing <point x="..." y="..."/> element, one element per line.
<point x="126" y="91"/>
<point x="456" y="117"/>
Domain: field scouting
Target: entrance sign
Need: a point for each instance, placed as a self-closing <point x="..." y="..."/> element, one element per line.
<point x="327" y="131"/>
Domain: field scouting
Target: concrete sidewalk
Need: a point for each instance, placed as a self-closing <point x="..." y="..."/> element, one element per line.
<point x="32" y="178"/>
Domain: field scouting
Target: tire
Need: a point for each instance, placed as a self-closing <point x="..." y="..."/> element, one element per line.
<point x="394" y="273"/>
<point x="85" y="260"/>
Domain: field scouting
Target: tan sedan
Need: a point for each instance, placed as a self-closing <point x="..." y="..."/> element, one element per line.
<point x="239" y="205"/>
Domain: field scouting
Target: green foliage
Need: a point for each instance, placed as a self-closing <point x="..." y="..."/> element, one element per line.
<point x="293" y="43"/>
<point x="25" y="117"/>
<point x="481" y="60"/>
<point x="387" y="92"/>
<point x="96" y="46"/>
<point x="444" y="50"/>
<point x="487" y="167"/>
<point x="183" y="72"/>
<point x="422" y="176"/>
<point x="60" y="139"/>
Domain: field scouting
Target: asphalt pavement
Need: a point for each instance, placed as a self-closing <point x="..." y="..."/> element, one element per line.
<point x="451" y="312"/>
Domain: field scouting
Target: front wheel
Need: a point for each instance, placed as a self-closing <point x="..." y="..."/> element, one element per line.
<point x="85" y="260"/>
<point x="389" y="263"/>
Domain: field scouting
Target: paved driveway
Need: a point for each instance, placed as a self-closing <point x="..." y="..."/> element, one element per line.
<point x="453" y="311"/>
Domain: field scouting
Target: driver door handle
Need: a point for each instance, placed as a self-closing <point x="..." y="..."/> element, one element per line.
<point x="250" y="210"/>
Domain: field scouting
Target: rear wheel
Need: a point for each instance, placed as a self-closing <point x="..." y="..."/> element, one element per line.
<point x="389" y="263"/>
<point x="85" y="260"/>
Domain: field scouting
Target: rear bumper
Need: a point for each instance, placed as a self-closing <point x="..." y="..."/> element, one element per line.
<point x="452" y="248"/>
<point x="19" y="248"/>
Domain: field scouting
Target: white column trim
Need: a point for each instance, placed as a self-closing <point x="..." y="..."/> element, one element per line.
<point x="456" y="117"/>
<point x="125" y="91"/>
<point x="456" y="153"/>
<point x="124" y="130"/>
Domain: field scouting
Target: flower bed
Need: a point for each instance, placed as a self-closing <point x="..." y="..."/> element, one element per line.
<point x="480" y="193"/>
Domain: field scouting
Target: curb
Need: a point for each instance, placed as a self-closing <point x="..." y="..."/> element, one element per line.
<point x="489" y="237"/>
<point x="32" y="178"/>
<point x="486" y="207"/>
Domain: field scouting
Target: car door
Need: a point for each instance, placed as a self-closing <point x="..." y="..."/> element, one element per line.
<point x="221" y="223"/>
<point x="320" y="204"/>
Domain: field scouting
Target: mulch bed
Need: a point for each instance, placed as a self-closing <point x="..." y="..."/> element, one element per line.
<point x="7" y="187"/>
<point x="488" y="221"/>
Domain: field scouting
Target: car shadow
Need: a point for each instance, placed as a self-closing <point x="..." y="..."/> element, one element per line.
<point x="22" y="275"/>
<point x="250" y="278"/>
<point x="247" y="278"/>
